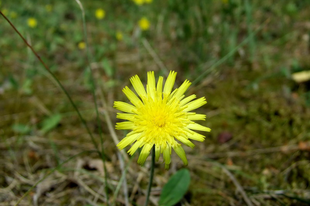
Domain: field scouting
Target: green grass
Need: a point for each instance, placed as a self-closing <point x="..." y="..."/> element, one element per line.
<point x="249" y="90"/>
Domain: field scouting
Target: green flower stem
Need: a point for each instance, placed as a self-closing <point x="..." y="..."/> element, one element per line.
<point x="151" y="177"/>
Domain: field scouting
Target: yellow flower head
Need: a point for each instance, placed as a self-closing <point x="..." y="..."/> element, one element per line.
<point x="82" y="45"/>
<point x="139" y="2"/>
<point x="100" y="14"/>
<point x="5" y="12"/>
<point x="32" y="22"/>
<point x="48" y="8"/>
<point x="148" y="1"/>
<point x="159" y="118"/>
<point x="144" y="23"/>
<point x="13" y="15"/>
<point x="119" y="36"/>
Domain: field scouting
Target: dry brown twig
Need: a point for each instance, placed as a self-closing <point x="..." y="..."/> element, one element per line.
<point x="136" y="186"/>
<point x="88" y="189"/>
<point x="237" y="184"/>
<point x="284" y="148"/>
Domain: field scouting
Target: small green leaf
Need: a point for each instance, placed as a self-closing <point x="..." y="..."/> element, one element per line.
<point x="50" y="122"/>
<point x="13" y="82"/>
<point x="175" y="188"/>
<point x="26" y="87"/>
<point x="107" y="67"/>
<point x="21" y="128"/>
<point x="291" y="8"/>
<point x="87" y="79"/>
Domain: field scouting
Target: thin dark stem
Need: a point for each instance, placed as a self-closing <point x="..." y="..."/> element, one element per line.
<point x="93" y="90"/>
<point x="58" y="82"/>
<point x="151" y="177"/>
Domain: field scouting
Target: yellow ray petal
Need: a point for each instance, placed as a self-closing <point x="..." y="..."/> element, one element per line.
<point x="125" y="107"/>
<point x="151" y="84"/>
<point x="182" y="89"/>
<point x="170" y="82"/>
<point x="185" y="141"/>
<point x="157" y="152"/>
<point x="181" y="153"/>
<point x="196" y="136"/>
<point x="167" y="156"/>
<point x="180" y="98"/>
<point x="197" y="117"/>
<point x="129" y="139"/>
<point x="187" y="99"/>
<point x="132" y="96"/>
<point x="171" y="96"/>
<point x="126" y="116"/>
<point x="199" y="127"/>
<point x="144" y="153"/>
<point x="160" y="84"/>
<point x="134" y="147"/>
<point x="195" y="104"/>
<point x="138" y="86"/>
<point x="125" y="125"/>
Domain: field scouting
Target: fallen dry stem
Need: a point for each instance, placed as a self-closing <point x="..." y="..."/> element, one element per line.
<point x="237" y="184"/>
<point x="284" y="148"/>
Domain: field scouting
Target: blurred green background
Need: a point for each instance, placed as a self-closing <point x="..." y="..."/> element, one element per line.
<point x="250" y="59"/>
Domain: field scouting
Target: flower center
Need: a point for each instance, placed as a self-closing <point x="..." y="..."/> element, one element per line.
<point x="160" y="121"/>
<point x="159" y="118"/>
<point x="156" y="115"/>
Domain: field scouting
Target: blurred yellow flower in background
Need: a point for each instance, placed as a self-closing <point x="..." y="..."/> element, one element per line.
<point x="119" y="36"/>
<point x="144" y="23"/>
<point x="48" y="8"/>
<point x="13" y="14"/>
<point x="139" y="2"/>
<point x="148" y="1"/>
<point x="32" y="22"/>
<point x="82" y="45"/>
<point x="63" y="26"/>
<point x="100" y="14"/>
<point x="5" y="12"/>
<point x="160" y="117"/>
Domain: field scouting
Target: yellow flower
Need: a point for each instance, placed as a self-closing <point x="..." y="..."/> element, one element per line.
<point x="82" y="45"/>
<point x="13" y="14"/>
<point x="63" y="26"/>
<point x="32" y="22"/>
<point x="144" y="23"/>
<point x="119" y="36"/>
<point x="148" y="1"/>
<point x="139" y="2"/>
<point x="100" y="14"/>
<point x="5" y="12"/>
<point x="48" y="8"/>
<point x="159" y="118"/>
